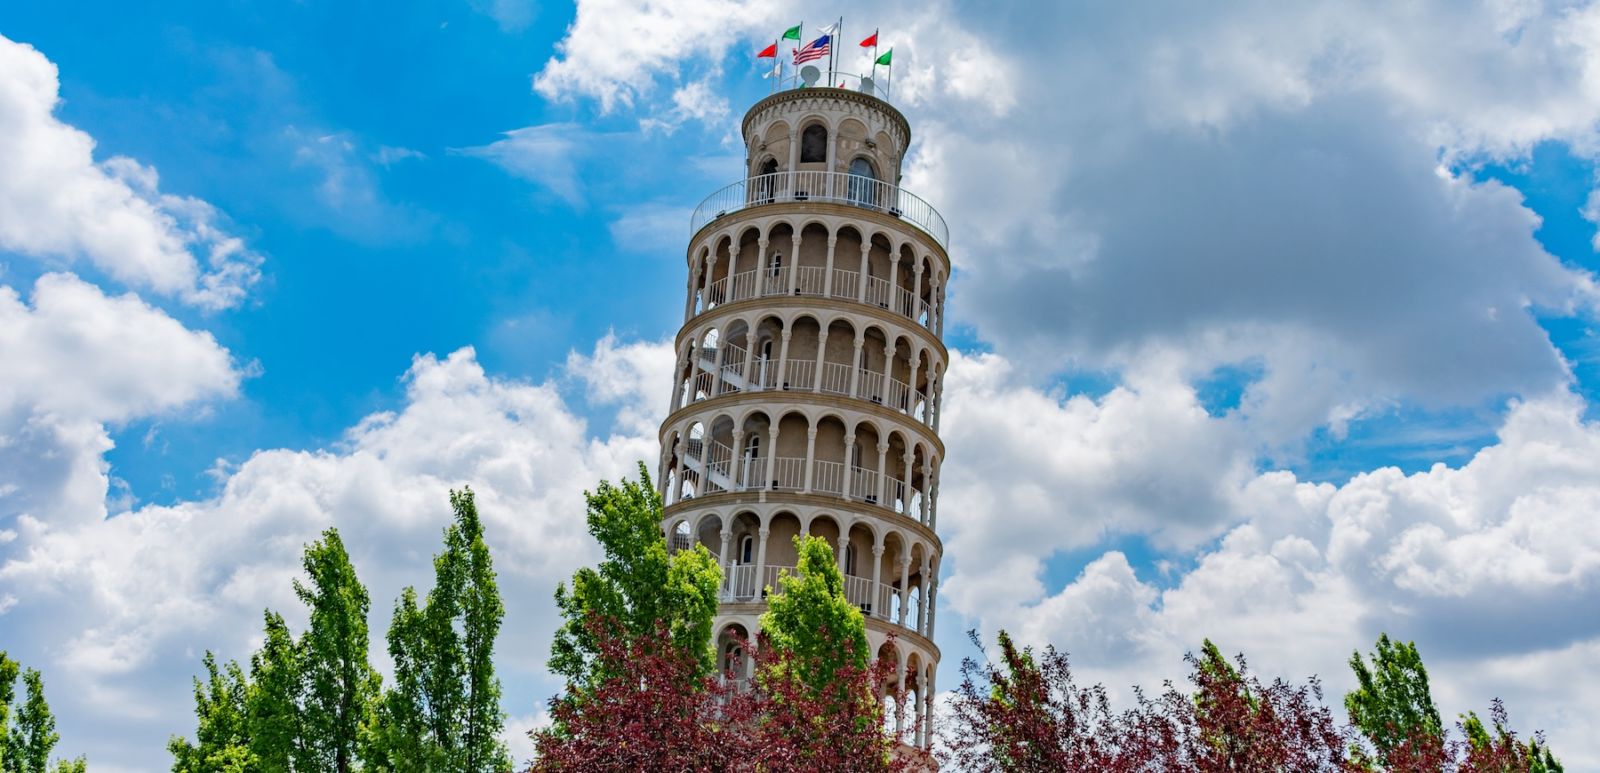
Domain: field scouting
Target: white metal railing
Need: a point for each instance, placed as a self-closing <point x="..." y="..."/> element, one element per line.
<point x="700" y="389"/>
<point x="801" y="374"/>
<point x="869" y="385"/>
<point x="763" y="374"/>
<point x="827" y="477"/>
<point x="833" y="187"/>
<point x="789" y="473"/>
<point x="864" y="484"/>
<point x="810" y="279"/>
<point x="858" y="591"/>
<point x="744" y="286"/>
<point x="775" y="282"/>
<point x="878" y="291"/>
<point x="742" y="581"/>
<point x="844" y="283"/>
<point x="836" y="378"/>
<point x="897" y="494"/>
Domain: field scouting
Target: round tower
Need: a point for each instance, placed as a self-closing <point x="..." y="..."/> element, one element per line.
<point x="806" y="394"/>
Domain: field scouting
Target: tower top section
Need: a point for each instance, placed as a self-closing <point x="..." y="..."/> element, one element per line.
<point x="825" y="130"/>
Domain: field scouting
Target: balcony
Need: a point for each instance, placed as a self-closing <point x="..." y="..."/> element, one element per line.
<point x="829" y="187"/>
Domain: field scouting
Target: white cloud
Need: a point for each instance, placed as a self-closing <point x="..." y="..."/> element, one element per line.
<point x="149" y="588"/>
<point x="60" y="206"/>
<point x="546" y="155"/>
<point x="76" y="362"/>
<point x="1487" y="565"/>
<point x="615" y="49"/>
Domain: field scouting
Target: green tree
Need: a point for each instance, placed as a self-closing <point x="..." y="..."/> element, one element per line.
<point x="444" y="710"/>
<point x="339" y="682"/>
<point x="31" y="733"/>
<point x="222" y="736"/>
<point x="8" y="691"/>
<point x="276" y="726"/>
<point x="636" y="585"/>
<point x="812" y="619"/>
<point x="1392" y="705"/>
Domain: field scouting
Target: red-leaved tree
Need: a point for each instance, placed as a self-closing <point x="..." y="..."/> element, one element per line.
<point x="1025" y="713"/>
<point x="655" y="713"/>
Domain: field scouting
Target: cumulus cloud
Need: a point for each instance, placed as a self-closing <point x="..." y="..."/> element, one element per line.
<point x="151" y="587"/>
<point x="59" y="205"/>
<point x="78" y="361"/>
<point x="1485" y="563"/>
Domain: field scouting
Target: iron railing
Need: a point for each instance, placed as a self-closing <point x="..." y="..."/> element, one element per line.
<point x="832" y="187"/>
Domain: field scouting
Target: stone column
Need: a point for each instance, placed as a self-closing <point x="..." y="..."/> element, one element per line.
<point x="916" y="293"/>
<point x="922" y="608"/>
<point x="772" y="456"/>
<point x="877" y="580"/>
<point x="763" y="267"/>
<point x="736" y="468"/>
<point x="927" y="492"/>
<point x="723" y="558"/>
<point x="910" y="408"/>
<point x="761" y="562"/>
<point x="888" y="374"/>
<point x="822" y="352"/>
<point x="783" y="355"/>
<point x="848" y="483"/>
<point x="894" y="281"/>
<point x="883" y="475"/>
<point x="733" y="260"/>
<point x="905" y="493"/>
<point x="794" y="264"/>
<point x="677" y="489"/>
<point x="905" y="585"/>
<point x="811" y="457"/>
<point x="827" y="273"/>
<point x="749" y="355"/>
<point x="861" y="280"/>
<point x="855" y="365"/>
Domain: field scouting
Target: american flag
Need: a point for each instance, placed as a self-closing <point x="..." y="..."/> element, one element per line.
<point x="815" y="50"/>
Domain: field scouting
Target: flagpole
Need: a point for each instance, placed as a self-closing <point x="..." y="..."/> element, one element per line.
<point x="833" y="47"/>
<point x="875" y="56"/>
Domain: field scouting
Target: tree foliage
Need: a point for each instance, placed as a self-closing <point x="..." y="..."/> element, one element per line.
<point x="653" y="708"/>
<point x="444" y="711"/>
<point x="637" y="585"/>
<point x="28" y="730"/>
<point x="1392" y="706"/>
<point x="1026" y="713"/>
<point x="811" y="618"/>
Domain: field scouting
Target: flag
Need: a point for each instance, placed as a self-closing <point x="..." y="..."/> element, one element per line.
<point x="769" y="52"/>
<point x="816" y="50"/>
<point x="793" y="33"/>
<point x="887" y="55"/>
<point x="830" y="29"/>
<point x="870" y="42"/>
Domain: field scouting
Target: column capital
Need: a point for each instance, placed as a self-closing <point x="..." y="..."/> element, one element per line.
<point x="811" y="433"/>
<point x="787" y="334"/>
<point x="832" y="240"/>
<point x="877" y="551"/>
<point x="764" y="532"/>
<point x="883" y="446"/>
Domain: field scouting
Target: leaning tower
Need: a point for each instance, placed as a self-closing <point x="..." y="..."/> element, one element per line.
<point x="806" y="396"/>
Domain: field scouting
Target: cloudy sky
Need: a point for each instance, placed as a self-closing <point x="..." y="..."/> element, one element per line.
<point x="1273" y="322"/>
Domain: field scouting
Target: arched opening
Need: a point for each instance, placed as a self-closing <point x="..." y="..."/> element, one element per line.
<point x="766" y="186"/>
<point x="814" y="144"/>
<point x="863" y="187"/>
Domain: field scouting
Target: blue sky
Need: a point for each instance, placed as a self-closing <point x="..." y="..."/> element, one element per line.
<point x="1278" y="322"/>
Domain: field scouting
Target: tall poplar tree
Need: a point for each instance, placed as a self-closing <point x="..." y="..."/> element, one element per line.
<point x="444" y="711"/>
<point x="1392" y="705"/>
<point x="339" y="682"/>
<point x="222" y="734"/>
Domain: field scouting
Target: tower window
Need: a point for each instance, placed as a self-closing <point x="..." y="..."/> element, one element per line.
<point x="777" y="263"/>
<point x="850" y="560"/>
<point x="814" y="144"/>
<point x="747" y="545"/>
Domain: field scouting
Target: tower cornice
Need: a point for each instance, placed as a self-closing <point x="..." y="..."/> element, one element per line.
<point x="825" y="93"/>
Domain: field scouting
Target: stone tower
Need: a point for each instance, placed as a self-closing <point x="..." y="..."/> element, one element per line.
<point x="806" y="396"/>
